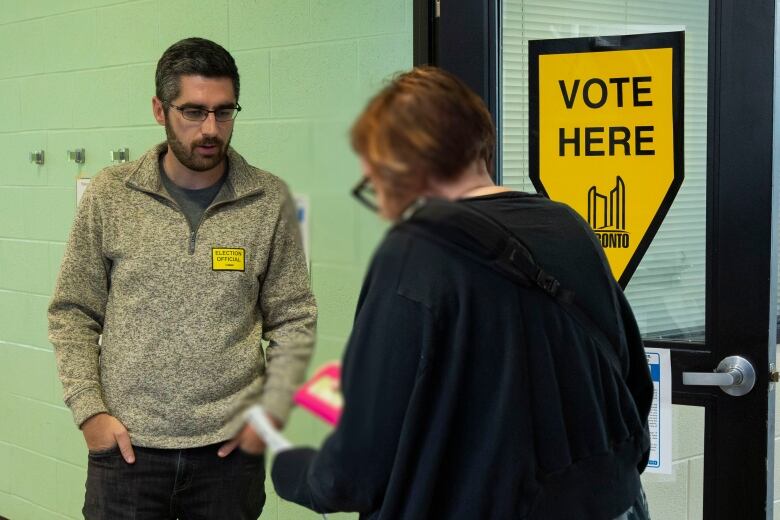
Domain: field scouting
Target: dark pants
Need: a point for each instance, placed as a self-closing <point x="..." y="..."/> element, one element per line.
<point x="188" y="484"/>
<point x="639" y="511"/>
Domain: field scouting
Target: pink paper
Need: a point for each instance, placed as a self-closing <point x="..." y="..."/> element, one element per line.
<point x="321" y="394"/>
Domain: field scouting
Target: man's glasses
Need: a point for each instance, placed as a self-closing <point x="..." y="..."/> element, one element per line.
<point x="222" y="115"/>
<point x="365" y="193"/>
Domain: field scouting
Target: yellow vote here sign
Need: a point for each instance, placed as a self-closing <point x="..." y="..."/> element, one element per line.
<point x="606" y="136"/>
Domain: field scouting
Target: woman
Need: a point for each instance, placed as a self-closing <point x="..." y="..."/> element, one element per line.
<point x="470" y="395"/>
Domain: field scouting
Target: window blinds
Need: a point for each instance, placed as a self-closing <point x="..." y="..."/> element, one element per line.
<point x="667" y="290"/>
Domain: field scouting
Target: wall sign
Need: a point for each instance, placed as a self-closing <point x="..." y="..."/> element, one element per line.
<point x="303" y="212"/>
<point x="81" y="187"/>
<point x="606" y="138"/>
<point x="659" y="420"/>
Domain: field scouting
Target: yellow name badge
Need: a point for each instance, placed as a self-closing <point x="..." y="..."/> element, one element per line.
<point x="229" y="259"/>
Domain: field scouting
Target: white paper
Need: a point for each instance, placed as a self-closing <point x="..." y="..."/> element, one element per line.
<point x="302" y="212"/>
<point x="259" y="421"/>
<point x="81" y="185"/>
<point x="660" y="420"/>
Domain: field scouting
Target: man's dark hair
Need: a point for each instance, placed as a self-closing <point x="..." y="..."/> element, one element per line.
<point x="193" y="57"/>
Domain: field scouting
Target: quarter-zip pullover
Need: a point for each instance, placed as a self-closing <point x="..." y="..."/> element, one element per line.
<point x="182" y="311"/>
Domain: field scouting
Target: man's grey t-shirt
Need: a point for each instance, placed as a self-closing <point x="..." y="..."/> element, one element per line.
<point x="192" y="202"/>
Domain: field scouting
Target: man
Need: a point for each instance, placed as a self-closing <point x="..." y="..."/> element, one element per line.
<point x="177" y="265"/>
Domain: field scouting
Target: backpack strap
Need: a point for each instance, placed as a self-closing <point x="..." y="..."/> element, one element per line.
<point x="487" y="240"/>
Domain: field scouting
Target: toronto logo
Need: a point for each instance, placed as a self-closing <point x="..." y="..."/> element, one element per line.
<point x="607" y="215"/>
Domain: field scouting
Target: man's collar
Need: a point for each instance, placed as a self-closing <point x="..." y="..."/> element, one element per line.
<point x="241" y="180"/>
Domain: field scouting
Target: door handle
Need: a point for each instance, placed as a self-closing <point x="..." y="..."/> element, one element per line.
<point x="735" y="376"/>
<point x="730" y="378"/>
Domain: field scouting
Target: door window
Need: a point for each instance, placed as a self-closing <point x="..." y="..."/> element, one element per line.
<point x="667" y="290"/>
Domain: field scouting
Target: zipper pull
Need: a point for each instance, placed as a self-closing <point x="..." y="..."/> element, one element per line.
<point x="192" y="242"/>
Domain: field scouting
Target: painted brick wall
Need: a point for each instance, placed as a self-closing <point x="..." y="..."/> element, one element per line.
<point x="79" y="74"/>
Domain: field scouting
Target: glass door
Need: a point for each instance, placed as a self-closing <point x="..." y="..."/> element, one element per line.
<point x="705" y="288"/>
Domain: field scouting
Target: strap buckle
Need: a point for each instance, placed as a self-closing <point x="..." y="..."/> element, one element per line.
<point x="549" y="284"/>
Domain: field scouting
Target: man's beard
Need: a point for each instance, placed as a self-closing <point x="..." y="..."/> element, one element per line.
<point x="189" y="158"/>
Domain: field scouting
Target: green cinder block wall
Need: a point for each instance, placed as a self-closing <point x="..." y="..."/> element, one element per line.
<point x="79" y="74"/>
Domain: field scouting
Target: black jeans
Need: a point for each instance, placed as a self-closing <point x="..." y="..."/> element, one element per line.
<point x="188" y="484"/>
<point x="639" y="511"/>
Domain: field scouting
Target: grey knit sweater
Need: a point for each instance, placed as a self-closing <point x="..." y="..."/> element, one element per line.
<point x="182" y="311"/>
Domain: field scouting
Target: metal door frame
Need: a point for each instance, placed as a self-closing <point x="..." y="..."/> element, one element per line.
<point x="741" y="211"/>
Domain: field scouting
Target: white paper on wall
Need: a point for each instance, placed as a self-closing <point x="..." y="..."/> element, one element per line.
<point x="302" y="210"/>
<point x="660" y="420"/>
<point x="81" y="185"/>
